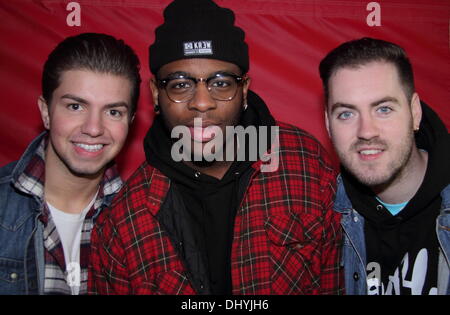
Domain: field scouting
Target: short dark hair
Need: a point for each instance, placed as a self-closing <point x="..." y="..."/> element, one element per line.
<point x="95" y="52"/>
<point x="355" y="53"/>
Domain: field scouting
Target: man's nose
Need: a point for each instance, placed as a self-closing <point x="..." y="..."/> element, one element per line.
<point x="202" y="100"/>
<point x="93" y="125"/>
<point x="367" y="128"/>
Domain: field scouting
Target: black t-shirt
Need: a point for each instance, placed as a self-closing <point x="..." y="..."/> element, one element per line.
<point x="402" y="255"/>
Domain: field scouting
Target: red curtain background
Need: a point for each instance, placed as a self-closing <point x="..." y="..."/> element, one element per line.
<point x="287" y="40"/>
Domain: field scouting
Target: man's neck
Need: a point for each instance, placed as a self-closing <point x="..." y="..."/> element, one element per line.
<point x="66" y="191"/>
<point x="407" y="183"/>
<point x="216" y="169"/>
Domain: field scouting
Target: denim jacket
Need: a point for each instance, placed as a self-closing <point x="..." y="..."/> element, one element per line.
<point x="354" y="251"/>
<point x="21" y="232"/>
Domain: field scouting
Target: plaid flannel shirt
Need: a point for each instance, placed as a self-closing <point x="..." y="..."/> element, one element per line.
<point x="287" y="239"/>
<point x="32" y="181"/>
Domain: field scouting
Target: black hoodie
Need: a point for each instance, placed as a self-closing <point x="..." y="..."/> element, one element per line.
<point x="398" y="244"/>
<point x="200" y="209"/>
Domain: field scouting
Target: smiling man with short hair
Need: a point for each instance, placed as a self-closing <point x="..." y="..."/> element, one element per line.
<point x="394" y="189"/>
<point x="50" y="198"/>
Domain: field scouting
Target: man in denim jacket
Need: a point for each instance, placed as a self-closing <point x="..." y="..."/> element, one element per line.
<point x="51" y="196"/>
<point x="394" y="191"/>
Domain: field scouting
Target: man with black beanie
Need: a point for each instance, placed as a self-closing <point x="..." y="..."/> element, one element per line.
<point x="206" y="214"/>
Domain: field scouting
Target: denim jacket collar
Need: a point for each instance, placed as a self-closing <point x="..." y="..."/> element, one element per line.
<point x="24" y="161"/>
<point x="445" y="194"/>
<point x="342" y="203"/>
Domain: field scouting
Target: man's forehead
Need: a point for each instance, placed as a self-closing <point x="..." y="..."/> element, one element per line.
<point x="369" y="84"/>
<point x="198" y="67"/>
<point x="367" y="68"/>
<point x="365" y="79"/>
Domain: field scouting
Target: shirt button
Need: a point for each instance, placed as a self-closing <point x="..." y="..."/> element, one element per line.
<point x="355" y="219"/>
<point x="356" y="276"/>
<point x="14" y="276"/>
<point x="197" y="174"/>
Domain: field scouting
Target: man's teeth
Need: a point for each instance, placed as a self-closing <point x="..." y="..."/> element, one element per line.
<point x="90" y="147"/>
<point x="368" y="152"/>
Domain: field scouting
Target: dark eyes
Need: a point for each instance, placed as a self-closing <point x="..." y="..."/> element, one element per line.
<point x="74" y="106"/>
<point x="112" y="112"/>
<point x="188" y="84"/>
<point x="116" y="113"/>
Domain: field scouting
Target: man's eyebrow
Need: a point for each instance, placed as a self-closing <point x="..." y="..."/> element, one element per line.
<point x="175" y="75"/>
<point x="339" y="105"/>
<point x="223" y="72"/>
<point x="75" y="98"/>
<point x="117" y="104"/>
<point x="385" y="100"/>
<point x="83" y="101"/>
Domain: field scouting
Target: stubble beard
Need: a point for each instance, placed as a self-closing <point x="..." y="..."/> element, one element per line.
<point x="393" y="171"/>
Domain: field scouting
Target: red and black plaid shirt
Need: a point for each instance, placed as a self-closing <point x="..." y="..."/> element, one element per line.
<point x="286" y="238"/>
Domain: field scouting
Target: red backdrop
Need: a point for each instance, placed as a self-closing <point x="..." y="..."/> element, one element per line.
<point x="287" y="40"/>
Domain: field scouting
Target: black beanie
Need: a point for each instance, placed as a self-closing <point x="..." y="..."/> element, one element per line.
<point x="198" y="29"/>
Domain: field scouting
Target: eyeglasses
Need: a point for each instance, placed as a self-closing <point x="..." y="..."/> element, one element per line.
<point x="180" y="87"/>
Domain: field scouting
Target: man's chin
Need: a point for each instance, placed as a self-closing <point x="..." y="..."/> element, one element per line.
<point x="372" y="181"/>
<point x="202" y="159"/>
<point x="372" y="178"/>
<point x="86" y="171"/>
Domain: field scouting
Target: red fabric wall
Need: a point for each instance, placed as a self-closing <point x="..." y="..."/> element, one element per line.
<point x="287" y="40"/>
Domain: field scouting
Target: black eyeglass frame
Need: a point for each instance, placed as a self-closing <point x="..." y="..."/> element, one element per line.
<point x="162" y="83"/>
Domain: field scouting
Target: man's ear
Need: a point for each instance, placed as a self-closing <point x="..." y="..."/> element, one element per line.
<point x="155" y="92"/>
<point x="416" y="111"/>
<point x="246" y="86"/>
<point x="327" y="122"/>
<point x="43" y="108"/>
